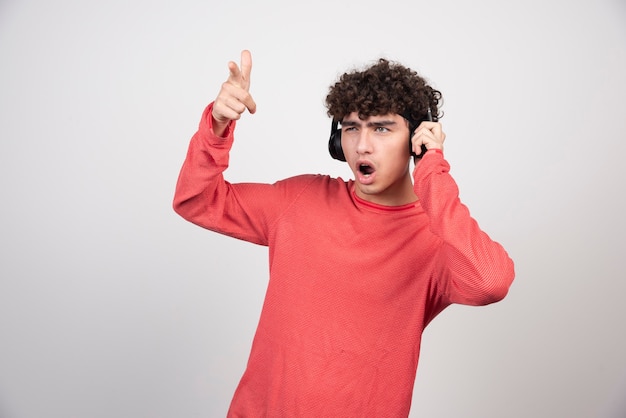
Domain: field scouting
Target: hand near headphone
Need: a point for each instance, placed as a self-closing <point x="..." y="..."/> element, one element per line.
<point x="428" y="134"/>
<point x="234" y="96"/>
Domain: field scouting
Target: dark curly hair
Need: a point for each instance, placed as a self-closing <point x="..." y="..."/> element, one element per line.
<point x="384" y="87"/>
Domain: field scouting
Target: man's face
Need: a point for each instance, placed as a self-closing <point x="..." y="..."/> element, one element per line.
<point x="377" y="151"/>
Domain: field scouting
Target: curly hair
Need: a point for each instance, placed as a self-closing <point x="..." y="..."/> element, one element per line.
<point x="385" y="87"/>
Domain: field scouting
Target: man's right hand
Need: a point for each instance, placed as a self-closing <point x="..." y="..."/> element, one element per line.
<point x="234" y="96"/>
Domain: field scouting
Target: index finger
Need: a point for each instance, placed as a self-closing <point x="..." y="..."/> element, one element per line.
<point x="246" y="64"/>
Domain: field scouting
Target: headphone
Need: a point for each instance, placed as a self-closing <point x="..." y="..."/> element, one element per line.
<point x="334" y="142"/>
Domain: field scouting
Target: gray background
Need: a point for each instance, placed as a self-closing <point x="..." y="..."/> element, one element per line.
<point x="112" y="306"/>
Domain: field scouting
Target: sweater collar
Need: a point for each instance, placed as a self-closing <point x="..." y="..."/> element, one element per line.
<point x="379" y="208"/>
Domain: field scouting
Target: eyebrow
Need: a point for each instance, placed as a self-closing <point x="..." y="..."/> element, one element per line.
<point x="384" y="122"/>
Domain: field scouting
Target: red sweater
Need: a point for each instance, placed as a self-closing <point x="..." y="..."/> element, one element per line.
<point x="352" y="284"/>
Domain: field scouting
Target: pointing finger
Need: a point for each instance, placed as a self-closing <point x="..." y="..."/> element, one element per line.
<point x="240" y="77"/>
<point x="246" y="65"/>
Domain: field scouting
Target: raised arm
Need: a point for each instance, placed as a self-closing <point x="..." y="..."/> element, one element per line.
<point x="202" y="195"/>
<point x="474" y="269"/>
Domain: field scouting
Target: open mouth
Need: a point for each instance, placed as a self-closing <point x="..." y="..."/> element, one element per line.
<point x="366" y="169"/>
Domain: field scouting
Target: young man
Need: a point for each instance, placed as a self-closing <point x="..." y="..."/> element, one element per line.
<point x="358" y="268"/>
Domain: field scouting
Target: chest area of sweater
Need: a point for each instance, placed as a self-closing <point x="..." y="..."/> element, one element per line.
<point x="352" y="262"/>
<point x="345" y="239"/>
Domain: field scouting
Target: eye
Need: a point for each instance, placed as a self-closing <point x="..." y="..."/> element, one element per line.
<point x="381" y="129"/>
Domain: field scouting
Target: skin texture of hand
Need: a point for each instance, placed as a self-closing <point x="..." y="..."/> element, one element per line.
<point x="234" y="96"/>
<point x="430" y="134"/>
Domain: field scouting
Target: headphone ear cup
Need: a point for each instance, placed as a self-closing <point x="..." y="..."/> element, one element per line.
<point x="334" y="143"/>
<point x="412" y="128"/>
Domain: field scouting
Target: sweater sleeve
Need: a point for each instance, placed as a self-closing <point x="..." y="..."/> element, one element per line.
<point x="205" y="198"/>
<point x="474" y="269"/>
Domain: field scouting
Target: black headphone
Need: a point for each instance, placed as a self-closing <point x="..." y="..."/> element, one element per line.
<point x="334" y="142"/>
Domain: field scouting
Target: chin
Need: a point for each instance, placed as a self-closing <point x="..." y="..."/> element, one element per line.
<point x="368" y="190"/>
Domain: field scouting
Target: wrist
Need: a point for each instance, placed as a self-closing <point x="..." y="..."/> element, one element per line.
<point x="434" y="151"/>
<point x="220" y="128"/>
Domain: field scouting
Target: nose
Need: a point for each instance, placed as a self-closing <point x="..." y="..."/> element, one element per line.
<point x="364" y="143"/>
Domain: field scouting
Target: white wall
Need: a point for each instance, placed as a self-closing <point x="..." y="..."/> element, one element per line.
<point x="112" y="306"/>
